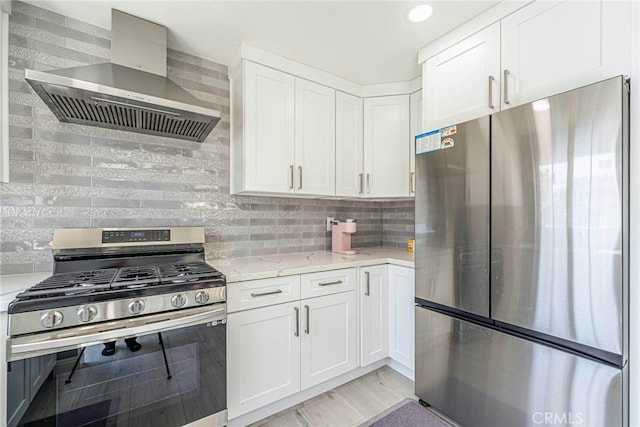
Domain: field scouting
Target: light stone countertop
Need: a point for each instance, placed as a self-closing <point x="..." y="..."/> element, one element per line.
<point x="263" y="267"/>
<point x="251" y="268"/>
<point x="12" y="284"/>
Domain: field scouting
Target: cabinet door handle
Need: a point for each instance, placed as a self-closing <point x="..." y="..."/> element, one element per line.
<point x="306" y="331"/>
<point x="506" y="86"/>
<point x="491" y="79"/>
<point x="261" y="294"/>
<point x="291" y="177"/>
<point x="300" y="176"/>
<point x="368" y="291"/>
<point x="297" y="334"/>
<point x="336" y="282"/>
<point x="368" y="183"/>
<point x="361" y="184"/>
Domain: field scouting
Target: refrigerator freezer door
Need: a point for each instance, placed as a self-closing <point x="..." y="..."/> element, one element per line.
<point x="557" y="197"/>
<point x="483" y="377"/>
<point x="452" y="221"/>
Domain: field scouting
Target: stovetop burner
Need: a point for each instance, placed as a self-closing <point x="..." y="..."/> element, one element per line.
<point x="113" y="283"/>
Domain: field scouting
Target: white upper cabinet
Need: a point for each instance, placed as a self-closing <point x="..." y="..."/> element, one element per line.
<point x="349" y="146"/>
<point x="263" y="137"/>
<point x="551" y="47"/>
<point x="386" y="148"/>
<point x="463" y="82"/>
<point x="315" y="152"/>
<point x="542" y="49"/>
<point x="283" y="133"/>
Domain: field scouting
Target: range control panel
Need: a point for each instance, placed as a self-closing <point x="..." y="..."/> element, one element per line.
<point x="132" y="236"/>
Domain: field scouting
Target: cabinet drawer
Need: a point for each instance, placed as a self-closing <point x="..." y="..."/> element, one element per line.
<point x="327" y="282"/>
<point x="263" y="292"/>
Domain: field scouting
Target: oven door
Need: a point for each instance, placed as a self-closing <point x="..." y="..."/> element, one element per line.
<point x="177" y="376"/>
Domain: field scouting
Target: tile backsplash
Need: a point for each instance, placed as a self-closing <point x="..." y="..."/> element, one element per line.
<point x="65" y="175"/>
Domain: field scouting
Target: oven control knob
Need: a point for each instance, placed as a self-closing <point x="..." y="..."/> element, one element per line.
<point x="178" y="300"/>
<point x="87" y="313"/>
<point x="51" y="319"/>
<point x="202" y="297"/>
<point x="136" y="306"/>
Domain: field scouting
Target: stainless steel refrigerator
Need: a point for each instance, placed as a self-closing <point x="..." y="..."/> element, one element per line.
<point x="522" y="263"/>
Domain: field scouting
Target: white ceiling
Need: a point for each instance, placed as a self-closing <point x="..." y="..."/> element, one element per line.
<point x="367" y="42"/>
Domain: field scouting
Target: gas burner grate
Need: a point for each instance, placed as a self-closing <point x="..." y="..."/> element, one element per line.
<point x="69" y="284"/>
<point x="136" y="277"/>
<point x="181" y="273"/>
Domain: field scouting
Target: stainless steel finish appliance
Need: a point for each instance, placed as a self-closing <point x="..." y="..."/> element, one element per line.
<point x="521" y="264"/>
<point x="146" y="293"/>
<point x="131" y="93"/>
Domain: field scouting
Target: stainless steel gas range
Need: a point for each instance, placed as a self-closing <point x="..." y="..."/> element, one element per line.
<point x="129" y="330"/>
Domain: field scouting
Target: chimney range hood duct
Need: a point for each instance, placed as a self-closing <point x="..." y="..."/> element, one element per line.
<point x="130" y="93"/>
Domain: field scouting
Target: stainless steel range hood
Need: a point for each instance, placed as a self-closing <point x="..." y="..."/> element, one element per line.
<point x="131" y="92"/>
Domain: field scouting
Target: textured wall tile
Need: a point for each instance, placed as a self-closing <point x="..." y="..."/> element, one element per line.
<point x="21" y="18"/>
<point x="36" y="12"/>
<point x="63" y="180"/>
<point x="34" y="35"/>
<point x="63" y="31"/>
<point x="87" y="28"/>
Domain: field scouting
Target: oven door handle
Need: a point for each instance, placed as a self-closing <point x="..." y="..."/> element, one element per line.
<point x="26" y="347"/>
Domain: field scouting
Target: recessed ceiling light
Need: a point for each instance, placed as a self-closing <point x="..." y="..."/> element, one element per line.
<point x="420" y="13"/>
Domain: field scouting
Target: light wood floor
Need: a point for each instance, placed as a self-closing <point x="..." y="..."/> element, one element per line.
<point x="348" y="405"/>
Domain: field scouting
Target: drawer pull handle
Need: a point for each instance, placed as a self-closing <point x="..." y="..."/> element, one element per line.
<point x="297" y="334"/>
<point x="261" y="294"/>
<point x="336" y="282"/>
<point x="300" y="175"/>
<point x="306" y="331"/>
<point x="361" y="179"/>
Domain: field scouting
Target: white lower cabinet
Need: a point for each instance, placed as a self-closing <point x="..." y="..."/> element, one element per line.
<point x="401" y="315"/>
<point x="329" y="338"/>
<point x="374" y="314"/>
<point x="279" y="350"/>
<point x="264" y="356"/>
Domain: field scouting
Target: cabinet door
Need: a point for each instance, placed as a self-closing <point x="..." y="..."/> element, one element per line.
<point x="263" y="356"/>
<point x="401" y="315"/>
<point x="268" y="129"/>
<point x="551" y="47"/>
<point x="18" y="385"/>
<point x="329" y="340"/>
<point x="349" y="146"/>
<point x="416" y="126"/>
<point x="315" y="148"/>
<point x="386" y="152"/>
<point x="457" y="82"/>
<point x="374" y="314"/>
